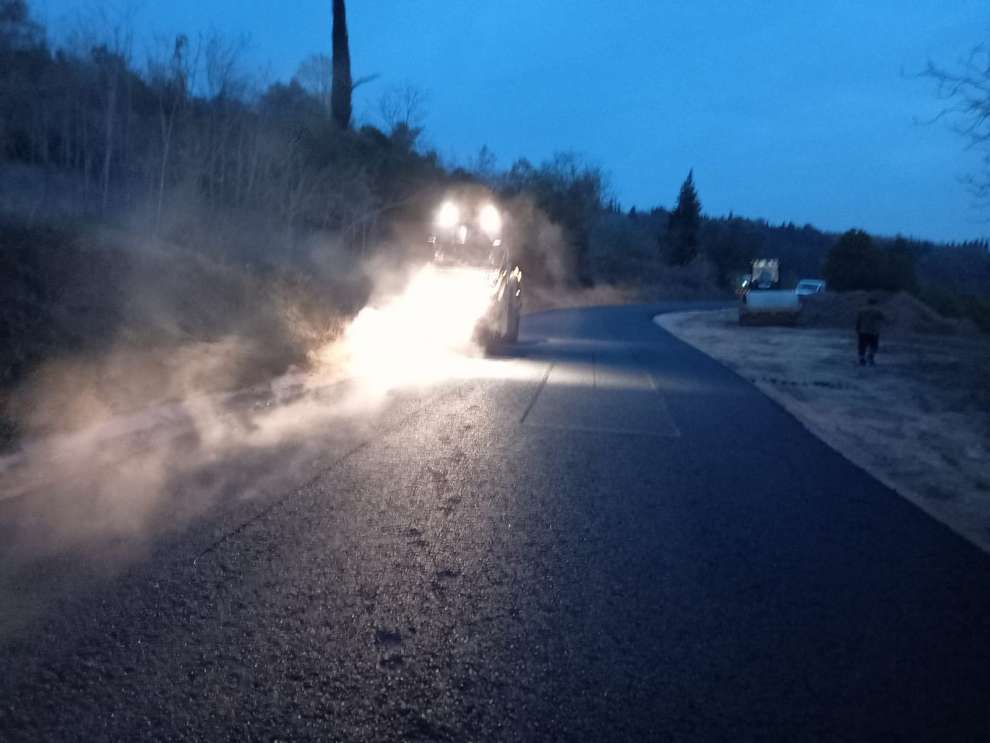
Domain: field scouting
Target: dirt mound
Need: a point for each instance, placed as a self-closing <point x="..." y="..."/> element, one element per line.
<point x="903" y="313"/>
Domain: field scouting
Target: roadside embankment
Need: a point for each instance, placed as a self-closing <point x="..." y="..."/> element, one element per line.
<point x="919" y="421"/>
<point x="96" y="322"/>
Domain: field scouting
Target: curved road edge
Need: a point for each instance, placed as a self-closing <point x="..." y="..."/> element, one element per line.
<point x="971" y="526"/>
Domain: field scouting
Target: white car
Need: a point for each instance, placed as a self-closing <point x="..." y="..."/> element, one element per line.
<point x="807" y="287"/>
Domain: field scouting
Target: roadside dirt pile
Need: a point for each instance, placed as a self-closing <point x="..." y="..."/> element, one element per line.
<point x="903" y="313"/>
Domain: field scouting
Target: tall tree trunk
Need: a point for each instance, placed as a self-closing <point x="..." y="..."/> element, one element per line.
<point x="342" y="86"/>
<point x="108" y="138"/>
<point x="166" y="145"/>
<point x="124" y="160"/>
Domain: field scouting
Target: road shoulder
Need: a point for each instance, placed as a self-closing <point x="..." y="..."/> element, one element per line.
<point x="916" y="422"/>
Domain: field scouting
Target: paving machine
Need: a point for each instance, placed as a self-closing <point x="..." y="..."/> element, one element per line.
<point x="468" y="249"/>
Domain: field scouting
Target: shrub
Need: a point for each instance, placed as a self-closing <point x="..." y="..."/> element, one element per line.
<point x="961" y="306"/>
<point x="855" y="263"/>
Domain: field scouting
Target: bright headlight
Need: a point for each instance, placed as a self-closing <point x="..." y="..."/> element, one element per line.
<point x="449" y="216"/>
<point x="491" y="220"/>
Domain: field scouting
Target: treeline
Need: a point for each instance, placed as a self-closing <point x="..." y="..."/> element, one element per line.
<point x="187" y="140"/>
<point x="954" y="279"/>
<point x="190" y="150"/>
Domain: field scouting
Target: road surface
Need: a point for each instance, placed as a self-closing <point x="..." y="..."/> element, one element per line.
<point x="602" y="535"/>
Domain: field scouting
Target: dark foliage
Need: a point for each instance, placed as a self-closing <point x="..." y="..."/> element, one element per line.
<point x="252" y="176"/>
<point x="856" y="263"/>
<point x="340" y="93"/>
<point x="953" y="304"/>
<point x="851" y="263"/>
<point x="685" y="221"/>
<point x="896" y="267"/>
<point x="572" y="194"/>
<point x="96" y="136"/>
<point x="963" y="268"/>
<point x="731" y="245"/>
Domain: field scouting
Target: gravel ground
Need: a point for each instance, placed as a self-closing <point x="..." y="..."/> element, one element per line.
<point x="918" y="421"/>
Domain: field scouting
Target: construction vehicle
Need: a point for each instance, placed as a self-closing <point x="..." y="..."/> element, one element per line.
<point x="761" y="303"/>
<point x="765" y="274"/>
<point x="468" y="248"/>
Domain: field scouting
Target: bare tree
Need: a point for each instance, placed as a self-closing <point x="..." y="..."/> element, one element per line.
<point x="484" y="165"/>
<point x="112" y="70"/>
<point x="100" y="40"/>
<point x="221" y="57"/>
<point x="966" y="93"/>
<point x="403" y="104"/>
<point x="172" y="80"/>
<point x="224" y="87"/>
<point x="113" y="59"/>
<point x="315" y="74"/>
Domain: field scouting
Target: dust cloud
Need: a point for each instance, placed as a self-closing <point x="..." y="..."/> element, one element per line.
<point x="221" y="387"/>
<point x="102" y="467"/>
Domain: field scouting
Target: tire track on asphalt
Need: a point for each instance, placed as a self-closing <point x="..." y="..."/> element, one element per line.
<point x="536" y="395"/>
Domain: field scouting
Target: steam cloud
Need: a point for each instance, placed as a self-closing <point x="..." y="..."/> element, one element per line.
<point x="102" y="467"/>
<point x="125" y="475"/>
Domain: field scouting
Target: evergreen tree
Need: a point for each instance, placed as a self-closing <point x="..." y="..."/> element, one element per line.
<point x="732" y="246"/>
<point x="685" y="221"/>
<point x="852" y="262"/>
<point x="897" y="267"/>
<point x="342" y="86"/>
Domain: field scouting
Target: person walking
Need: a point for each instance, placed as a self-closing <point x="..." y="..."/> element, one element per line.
<point x="868" y="322"/>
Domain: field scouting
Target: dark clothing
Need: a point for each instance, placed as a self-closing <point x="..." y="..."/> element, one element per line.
<point x="869" y="320"/>
<point x="868" y="343"/>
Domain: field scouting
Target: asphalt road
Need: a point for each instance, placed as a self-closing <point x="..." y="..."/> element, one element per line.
<point x="602" y="535"/>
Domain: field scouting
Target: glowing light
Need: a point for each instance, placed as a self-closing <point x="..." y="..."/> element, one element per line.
<point x="491" y="220"/>
<point x="449" y="216"/>
<point x="413" y="337"/>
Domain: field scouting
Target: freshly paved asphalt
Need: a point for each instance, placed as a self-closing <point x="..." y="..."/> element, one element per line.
<point x="604" y="536"/>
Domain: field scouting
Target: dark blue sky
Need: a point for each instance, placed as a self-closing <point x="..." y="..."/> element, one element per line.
<point x="792" y="111"/>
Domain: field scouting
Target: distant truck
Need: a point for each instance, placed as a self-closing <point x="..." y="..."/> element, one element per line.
<point x="761" y="303"/>
<point x="765" y="274"/>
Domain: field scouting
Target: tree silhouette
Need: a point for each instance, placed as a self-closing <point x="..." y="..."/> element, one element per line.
<point x="897" y="267"/>
<point x="685" y="220"/>
<point x="17" y="30"/>
<point x="852" y="262"/>
<point x="342" y="86"/>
